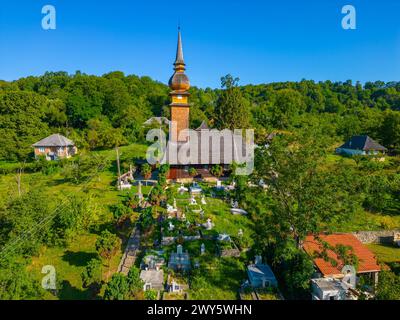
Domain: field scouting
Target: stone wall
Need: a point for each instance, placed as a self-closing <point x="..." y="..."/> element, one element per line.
<point x="383" y="236"/>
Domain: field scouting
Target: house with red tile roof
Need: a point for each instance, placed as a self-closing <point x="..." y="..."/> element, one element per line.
<point x="367" y="263"/>
<point x="332" y="283"/>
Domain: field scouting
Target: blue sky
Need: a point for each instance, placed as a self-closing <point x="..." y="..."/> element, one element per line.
<point x="257" y="41"/>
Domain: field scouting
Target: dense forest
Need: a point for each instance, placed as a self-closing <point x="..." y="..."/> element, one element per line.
<point x="104" y="111"/>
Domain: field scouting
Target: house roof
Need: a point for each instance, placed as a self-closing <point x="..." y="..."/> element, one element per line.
<point x="363" y="143"/>
<point x="260" y="271"/>
<point x="208" y="150"/>
<point x="152" y="276"/>
<point x="366" y="259"/>
<point x="55" y="140"/>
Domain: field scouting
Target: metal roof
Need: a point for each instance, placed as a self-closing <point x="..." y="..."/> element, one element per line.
<point x="55" y="140"/>
<point x="363" y="143"/>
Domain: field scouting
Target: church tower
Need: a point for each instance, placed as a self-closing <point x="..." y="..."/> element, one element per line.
<point x="179" y="84"/>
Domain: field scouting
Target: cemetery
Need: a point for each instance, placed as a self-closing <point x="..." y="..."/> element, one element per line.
<point x="195" y="236"/>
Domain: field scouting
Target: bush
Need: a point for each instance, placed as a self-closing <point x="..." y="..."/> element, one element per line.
<point x="192" y="172"/>
<point x="150" y="295"/>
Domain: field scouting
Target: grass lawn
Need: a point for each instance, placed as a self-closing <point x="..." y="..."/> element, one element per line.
<point x="218" y="279"/>
<point x="69" y="263"/>
<point x="385" y="253"/>
<point x="364" y="220"/>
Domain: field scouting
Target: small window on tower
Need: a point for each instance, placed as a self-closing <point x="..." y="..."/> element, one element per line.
<point x="179" y="97"/>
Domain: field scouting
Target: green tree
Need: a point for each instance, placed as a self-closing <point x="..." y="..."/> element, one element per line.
<point x="388" y="286"/>
<point x="15" y="282"/>
<point x="117" y="288"/>
<point x="287" y="105"/>
<point x="232" y="109"/>
<point x="146" y="171"/>
<point x="22" y="116"/>
<point x="92" y="274"/>
<point x="217" y="170"/>
<point x="150" y="295"/>
<point x="390" y="130"/>
<point x="107" y="245"/>
<point x="134" y="281"/>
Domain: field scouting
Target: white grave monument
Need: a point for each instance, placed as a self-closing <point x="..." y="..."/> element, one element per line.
<point x="182" y="189"/>
<point x="203" y="200"/>
<point x="209" y="224"/>
<point x="139" y="193"/>
<point x="202" y="248"/>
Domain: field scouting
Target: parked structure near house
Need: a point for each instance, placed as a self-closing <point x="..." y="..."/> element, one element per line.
<point x="55" y="147"/>
<point x="261" y="275"/>
<point x="361" y="145"/>
<point x="367" y="263"/>
<point x="330" y="289"/>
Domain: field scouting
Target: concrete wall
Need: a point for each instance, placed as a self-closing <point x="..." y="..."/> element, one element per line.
<point x="383" y="236"/>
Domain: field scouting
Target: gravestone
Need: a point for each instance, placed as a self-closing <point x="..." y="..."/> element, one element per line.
<point x="202" y="248"/>
<point x="140" y="194"/>
<point x="203" y="200"/>
<point x="179" y="249"/>
<point x="209" y="224"/>
<point x="258" y="260"/>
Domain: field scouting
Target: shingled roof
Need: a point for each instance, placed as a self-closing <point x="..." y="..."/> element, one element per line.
<point x="363" y="143"/>
<point x="366" y="259"/>
<point x="55" y="140"/>
<point x="236" y="151"/>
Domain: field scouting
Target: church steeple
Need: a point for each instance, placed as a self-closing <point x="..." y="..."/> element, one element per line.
<point x="179" y="84"/>
<point x="179" y="50"/>
<point x="179" y="81"/>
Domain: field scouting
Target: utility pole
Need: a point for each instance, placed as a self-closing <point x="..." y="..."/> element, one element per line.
<point x="119" y="169"/>
<point x="18" y="178"/>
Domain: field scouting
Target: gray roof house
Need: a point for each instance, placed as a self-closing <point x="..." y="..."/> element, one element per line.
<point x="361" y="145"/>
<point x="54" y="147"/>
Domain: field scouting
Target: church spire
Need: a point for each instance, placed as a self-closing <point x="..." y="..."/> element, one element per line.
<point x="179" y="84"/>
<point x="179" y="51"/>
<point x="179" y="81"/>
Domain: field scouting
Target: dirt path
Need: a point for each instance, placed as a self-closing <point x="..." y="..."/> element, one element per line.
<point x="131" y="252"/>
